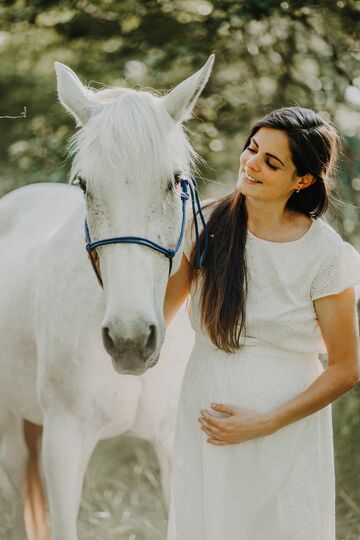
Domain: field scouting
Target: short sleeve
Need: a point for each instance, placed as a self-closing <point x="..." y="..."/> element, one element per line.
<point x="340" y="270"/>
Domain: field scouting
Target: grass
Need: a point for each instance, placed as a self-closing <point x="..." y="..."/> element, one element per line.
<point x="122" y="497"/>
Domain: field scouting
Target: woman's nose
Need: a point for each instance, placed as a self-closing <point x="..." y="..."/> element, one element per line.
<point x="253" y="163"/>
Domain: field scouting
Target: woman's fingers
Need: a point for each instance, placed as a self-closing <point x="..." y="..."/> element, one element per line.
<point x="210" y="430"/>
<point x="217" y="442"/>
<point x="210" y="419"/>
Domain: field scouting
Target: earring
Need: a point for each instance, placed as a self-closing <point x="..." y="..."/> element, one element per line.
<point x="298" y="190"/>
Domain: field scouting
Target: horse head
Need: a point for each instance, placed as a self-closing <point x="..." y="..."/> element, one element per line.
<point x="129" y="156"/>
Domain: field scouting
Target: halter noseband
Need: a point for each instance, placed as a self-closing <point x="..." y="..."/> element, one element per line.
<point x="168" y="252"/>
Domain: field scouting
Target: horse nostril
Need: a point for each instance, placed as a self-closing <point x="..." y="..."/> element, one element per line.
<point x="142" y="341"/>
<point x="108" y="342"/>
<point x="151" y="342"/>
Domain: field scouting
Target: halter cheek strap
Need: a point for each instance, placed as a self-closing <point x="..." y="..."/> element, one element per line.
<point x="168" y="252"/>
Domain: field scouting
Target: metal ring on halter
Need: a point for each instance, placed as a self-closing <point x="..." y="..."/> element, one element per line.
<point x="168" y="252"/>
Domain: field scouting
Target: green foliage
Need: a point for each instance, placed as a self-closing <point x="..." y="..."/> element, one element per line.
<point x="346" y="413"/>
<point x="268" y="54"/>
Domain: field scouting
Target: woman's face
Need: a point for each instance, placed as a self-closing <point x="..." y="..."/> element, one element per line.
<point x="267" y="160"/>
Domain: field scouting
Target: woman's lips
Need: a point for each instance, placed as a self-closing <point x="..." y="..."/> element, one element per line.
<point x="249" y="181"/>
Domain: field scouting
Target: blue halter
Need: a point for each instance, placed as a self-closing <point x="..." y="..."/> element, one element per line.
<point x="168" y="252"/>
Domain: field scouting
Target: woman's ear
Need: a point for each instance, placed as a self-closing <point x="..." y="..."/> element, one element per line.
<point x="306" y="181"/>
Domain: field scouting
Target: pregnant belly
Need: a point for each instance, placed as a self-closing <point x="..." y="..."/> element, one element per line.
<point x="255" y="378"/>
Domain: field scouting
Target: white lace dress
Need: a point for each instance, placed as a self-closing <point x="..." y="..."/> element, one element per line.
<point x="281" y="486"/>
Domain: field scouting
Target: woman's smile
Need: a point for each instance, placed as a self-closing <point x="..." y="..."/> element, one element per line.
<point x="249" y="179"/>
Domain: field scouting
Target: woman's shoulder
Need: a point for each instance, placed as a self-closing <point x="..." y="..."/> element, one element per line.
<point x="327" y="237"/>
<point x="208" y="205"/>
<point x="338" y="263"/>
<point x="331" y="251"/>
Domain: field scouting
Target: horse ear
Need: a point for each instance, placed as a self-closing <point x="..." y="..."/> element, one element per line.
<point x="73" y="95"/>
<point x="181" y="100"/>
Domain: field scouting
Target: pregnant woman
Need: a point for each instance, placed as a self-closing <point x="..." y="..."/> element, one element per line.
<point x="253" y="452"/>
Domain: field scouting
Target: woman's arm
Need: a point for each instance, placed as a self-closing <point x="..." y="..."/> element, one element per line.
<point x="177" y="290"/>
<point x="338" y="320"/>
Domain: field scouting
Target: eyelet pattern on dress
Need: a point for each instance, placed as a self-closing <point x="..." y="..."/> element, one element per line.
<point x="284" y="280"/>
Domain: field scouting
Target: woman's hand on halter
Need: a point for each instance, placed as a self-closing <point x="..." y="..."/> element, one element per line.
<point x="241" y="425"/>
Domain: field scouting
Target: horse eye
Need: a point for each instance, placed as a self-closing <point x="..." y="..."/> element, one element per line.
<point x="173" y="183"/>
<point x="78" y="181"/>
<point x="178" y="177"/>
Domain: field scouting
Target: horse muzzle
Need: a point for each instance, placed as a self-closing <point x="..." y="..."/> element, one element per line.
<point x="135" y="353"/>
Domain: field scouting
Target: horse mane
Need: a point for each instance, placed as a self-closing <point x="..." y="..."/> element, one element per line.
<point x="133" y="134"/>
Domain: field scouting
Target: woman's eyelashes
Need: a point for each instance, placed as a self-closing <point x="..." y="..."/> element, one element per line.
<point x="272" y="167"/>
<point x="253" y="150"/>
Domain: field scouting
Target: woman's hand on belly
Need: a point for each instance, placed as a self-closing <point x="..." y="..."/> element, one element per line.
<point x="241" y="425"/>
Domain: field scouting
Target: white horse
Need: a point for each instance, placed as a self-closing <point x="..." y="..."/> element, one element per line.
<point x="61" y="334"/>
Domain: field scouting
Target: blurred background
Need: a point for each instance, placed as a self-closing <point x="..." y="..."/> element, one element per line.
<point x="268" y="54"/>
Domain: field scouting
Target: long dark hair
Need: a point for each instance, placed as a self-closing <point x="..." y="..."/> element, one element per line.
<point x="314" y="146"/>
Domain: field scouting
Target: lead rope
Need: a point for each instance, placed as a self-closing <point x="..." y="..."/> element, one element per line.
<point x="194" y="192"/>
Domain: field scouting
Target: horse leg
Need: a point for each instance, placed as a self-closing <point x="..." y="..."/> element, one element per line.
<point x="164" y="459"/>
<point x="36" y="516"/>
<point x="68" y="443"/>
<point x="14" y="459"/>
